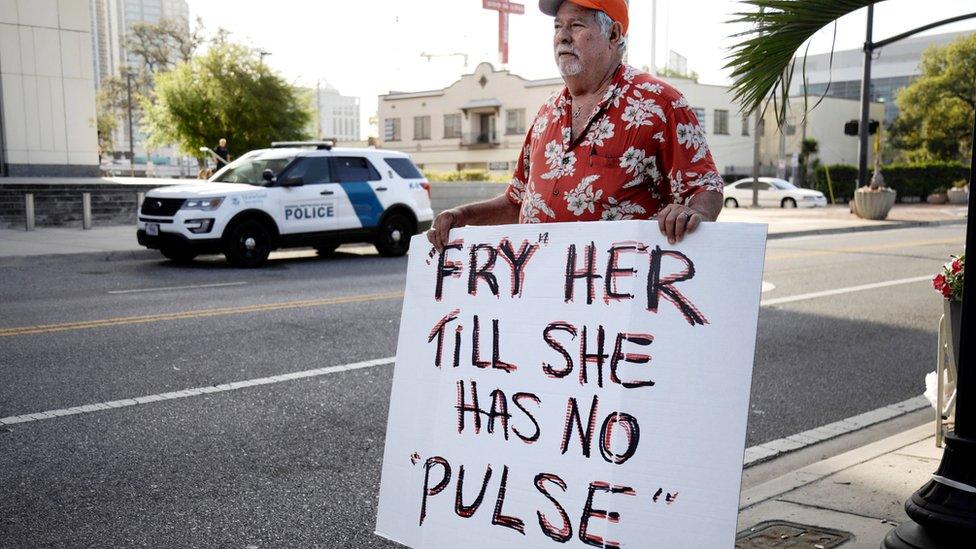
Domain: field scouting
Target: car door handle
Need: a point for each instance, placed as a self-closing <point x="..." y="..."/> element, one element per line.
<point x="326" y="193"/>
<point x="381" y="188"/>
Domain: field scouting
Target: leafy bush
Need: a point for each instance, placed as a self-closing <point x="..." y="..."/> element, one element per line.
<point x="908" y="179"/>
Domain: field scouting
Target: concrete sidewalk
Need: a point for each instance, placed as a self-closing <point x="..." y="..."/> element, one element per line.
<point x="856" y="497"/>
<point x="120" y="241"/>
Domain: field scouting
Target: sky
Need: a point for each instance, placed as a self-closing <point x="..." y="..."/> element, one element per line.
<point x="370" y="47"/>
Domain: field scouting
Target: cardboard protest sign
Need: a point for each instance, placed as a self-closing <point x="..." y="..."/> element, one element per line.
<point x="577" y="384"/>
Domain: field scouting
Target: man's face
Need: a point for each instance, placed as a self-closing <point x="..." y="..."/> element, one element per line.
<point x="223" y="142"/>
<point x="578" y="43"/>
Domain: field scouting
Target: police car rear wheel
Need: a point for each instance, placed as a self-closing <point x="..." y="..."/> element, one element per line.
<point x="394" y="236"/>
<point x="248" y="244"/>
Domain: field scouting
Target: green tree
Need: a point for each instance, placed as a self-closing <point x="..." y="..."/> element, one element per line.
<point x="935" y="122"/>
<point x="153" y="47"/>
<point x="226" y="92"/>
<point x="808" y="148"/>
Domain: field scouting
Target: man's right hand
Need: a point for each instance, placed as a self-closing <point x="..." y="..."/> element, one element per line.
<point x="440" y="230"/>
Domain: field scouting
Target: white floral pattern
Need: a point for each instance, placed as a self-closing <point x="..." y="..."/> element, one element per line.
<point x="601" y="130"/>
<point x="640" y="111"/>
<point x="692" y="136"/>
<point x="583" y="197"/>
<point x="618" y="211"/>
<point x="561" y="163"/>
<point x="615" y="94"/>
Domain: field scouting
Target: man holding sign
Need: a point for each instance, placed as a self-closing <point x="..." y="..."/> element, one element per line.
<point x="579" y="385"/>
<point x="614" y="144"/>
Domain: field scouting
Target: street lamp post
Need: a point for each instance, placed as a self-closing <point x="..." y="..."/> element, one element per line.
<point x="943" y="511"/>
<point x="132" y="137"/>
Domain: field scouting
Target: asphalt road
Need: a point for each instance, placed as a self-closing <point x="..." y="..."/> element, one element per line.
<point x="297" y="463"/>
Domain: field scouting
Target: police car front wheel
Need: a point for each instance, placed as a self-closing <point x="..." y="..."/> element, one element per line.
<point x="247" y="243"/>
<point x="394" y="235"/>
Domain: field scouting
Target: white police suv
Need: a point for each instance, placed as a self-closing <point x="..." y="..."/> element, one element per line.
<point x="294" y="194"/>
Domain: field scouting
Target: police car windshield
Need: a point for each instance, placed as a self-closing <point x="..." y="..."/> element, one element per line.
<point x="248" y="169"/>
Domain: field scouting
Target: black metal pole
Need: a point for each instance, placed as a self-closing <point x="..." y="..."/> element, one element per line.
<point x="862" y="148"/>
<point x="943" y="511"/>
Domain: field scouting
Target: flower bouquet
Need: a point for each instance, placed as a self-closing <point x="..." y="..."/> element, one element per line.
<point x="949" y="281"/>
<point x="949" y="284"/>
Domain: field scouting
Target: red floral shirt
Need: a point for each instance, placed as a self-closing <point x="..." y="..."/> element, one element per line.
<point x="642" y="149"/>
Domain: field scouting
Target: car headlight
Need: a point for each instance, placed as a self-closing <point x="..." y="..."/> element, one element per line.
<point x="205" y="204"/>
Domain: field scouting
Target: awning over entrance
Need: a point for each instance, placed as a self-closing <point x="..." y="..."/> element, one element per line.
<point x="481" y="105"/>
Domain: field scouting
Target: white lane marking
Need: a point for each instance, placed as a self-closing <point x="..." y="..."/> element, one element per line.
<point x="88" y="408"/>
<point x="139" y="290"/>
<point x="775" y="448"/>
<point x="839" y="291"/>
<point x="767" y="286"/>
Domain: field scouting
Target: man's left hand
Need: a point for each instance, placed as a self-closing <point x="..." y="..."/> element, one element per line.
<point x="675" y="220"/>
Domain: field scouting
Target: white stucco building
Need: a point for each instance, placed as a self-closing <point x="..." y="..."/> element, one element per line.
<point x="336" y="115"/>
<point x="480" y="121"/>
<point x="47" y="90"/>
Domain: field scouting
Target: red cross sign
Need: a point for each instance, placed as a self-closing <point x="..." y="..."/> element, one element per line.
<point x="503" y="7"/>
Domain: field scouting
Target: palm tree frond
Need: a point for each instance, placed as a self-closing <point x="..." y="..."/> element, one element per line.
<point x="762" y="63"/>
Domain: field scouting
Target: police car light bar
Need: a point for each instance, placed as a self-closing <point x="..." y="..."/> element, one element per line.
<point x="321" y="145"/>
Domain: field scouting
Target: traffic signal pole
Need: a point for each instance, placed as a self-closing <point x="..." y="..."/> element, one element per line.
<point x="862" y="147"/>
<point x="943" y="511"/>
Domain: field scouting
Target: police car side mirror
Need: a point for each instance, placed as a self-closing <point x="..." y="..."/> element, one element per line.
<point x="293" y="182"/>
<point x="268" y="176"/>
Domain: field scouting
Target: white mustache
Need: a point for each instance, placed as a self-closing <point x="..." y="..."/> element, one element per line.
<point x="567" y="49"/>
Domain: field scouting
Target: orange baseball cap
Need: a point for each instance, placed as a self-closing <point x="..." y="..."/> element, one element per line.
<point x="616" y="9"/>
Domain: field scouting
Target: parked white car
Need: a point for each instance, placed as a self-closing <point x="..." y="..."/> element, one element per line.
<point x="772" y="192"/>
<point x="291" y="195"/>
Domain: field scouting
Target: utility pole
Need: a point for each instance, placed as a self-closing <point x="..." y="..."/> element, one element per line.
<point x="318" y="109"/>
<point x="755" y="158"/>
<point x="756" y="145"/>
<point x="132" y="137"/>
<point x="653" y="37"/>
<point x="862" y="148"/>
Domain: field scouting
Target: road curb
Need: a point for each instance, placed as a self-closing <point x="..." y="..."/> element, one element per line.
<point x="14" y="260"/>
<point x="115" y="255"/>
<point x="773" y="449"/>
<point x="867" y="228"/>
<point x="821" y="469"/>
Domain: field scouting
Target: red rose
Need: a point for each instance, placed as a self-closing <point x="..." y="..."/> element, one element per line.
<point x="956" y="266"/>
<point x="946" y="291"/>
<point x="939" y="282"/>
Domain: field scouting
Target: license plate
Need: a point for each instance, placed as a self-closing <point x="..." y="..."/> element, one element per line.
<point x="152" y="229"/>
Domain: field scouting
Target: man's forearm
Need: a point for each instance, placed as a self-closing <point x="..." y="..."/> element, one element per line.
<point x="496" y="211"/>
<point x="708" y="204"/>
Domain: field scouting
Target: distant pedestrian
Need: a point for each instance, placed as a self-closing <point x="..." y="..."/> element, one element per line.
<point x="223" y="157"/>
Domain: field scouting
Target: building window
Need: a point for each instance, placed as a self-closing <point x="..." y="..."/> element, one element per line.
<point x="700" y="115"/>
<point x="745" y="125"/>
<point x="392" y="129"/>
<point x="790" y="129"/>
<point x="721" y="122"/>
<point x="452" y="126"/>
<point x="514" y="121"/>
<point x="421" y="127"/>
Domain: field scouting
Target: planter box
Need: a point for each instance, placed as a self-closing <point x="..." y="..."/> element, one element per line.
<point x="874" y="205"/>
<point x="958" y="196"/>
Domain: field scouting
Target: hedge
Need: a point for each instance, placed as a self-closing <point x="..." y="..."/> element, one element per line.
<point x="915" y="180"/>
<point x="465" y="175"/>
